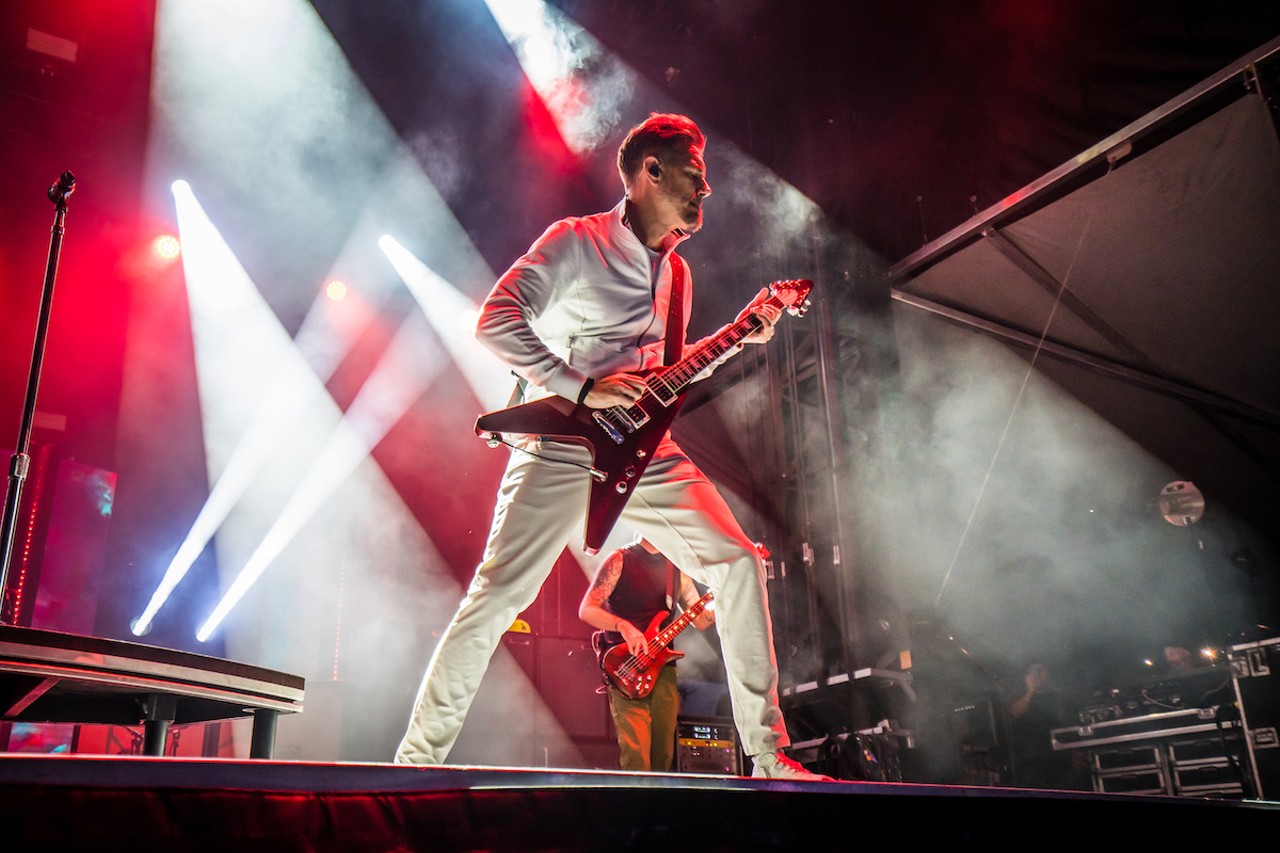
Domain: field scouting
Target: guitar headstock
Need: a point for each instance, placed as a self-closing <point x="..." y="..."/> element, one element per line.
<point x="793" y="293"/>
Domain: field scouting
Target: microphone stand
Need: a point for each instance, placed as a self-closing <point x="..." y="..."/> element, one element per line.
<point x="21" y="460"/>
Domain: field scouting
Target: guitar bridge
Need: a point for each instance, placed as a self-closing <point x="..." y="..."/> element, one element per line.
<point x="599" y="417"/>
<point x="617" y="420"/>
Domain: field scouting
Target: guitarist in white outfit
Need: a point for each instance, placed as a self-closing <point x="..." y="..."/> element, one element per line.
<point x="631" y="588"/>
<point x="577" y="316"/>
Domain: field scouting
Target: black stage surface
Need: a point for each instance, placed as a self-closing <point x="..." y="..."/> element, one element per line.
<point x="148" y="803"/>
<point x="79" y="801"/>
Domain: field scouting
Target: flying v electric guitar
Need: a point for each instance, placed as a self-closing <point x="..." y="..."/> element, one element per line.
<point x="634" y="674"/>
<point x="622" y="439"/>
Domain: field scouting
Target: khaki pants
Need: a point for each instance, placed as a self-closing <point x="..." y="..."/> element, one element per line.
<point x="647" y="727"/>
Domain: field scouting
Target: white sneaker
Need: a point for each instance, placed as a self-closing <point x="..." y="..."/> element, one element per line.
<point x="775" y="765"/>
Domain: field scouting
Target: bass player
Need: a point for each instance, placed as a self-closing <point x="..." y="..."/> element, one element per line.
<point x="632" y="587"/>
<point x="584" y="310"/>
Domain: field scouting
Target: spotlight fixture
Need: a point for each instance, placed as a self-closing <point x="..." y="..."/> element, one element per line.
<point x="1181" y="503"/>
<point x="166" y="247"/>
<point x="336" y="290"/>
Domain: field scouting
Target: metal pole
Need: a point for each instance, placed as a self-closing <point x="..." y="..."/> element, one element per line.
<point x="21" y="460"/>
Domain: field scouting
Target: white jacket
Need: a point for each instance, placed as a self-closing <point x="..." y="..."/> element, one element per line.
<point x="587" y="300"/>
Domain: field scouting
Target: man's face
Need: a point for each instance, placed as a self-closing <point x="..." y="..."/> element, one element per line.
<point x="684" y="186"/>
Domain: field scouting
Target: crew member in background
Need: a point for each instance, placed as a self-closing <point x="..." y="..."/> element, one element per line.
<point x="1037" y="711"/>
<point x="632" y="586"/>
<point x="1178" y="659"/>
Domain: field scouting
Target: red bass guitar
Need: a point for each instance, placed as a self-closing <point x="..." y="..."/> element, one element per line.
<point x="634" y="674"/>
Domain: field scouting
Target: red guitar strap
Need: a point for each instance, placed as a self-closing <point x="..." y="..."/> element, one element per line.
<point x="675" y="313"/>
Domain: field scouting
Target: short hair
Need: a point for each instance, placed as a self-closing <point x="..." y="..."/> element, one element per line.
<point x="666" y="135"/>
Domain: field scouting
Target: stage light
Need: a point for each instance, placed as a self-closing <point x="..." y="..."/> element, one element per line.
<point x="247" y="411"/>
<point x="214" y="110"/>
<point x="166" y="247"/>
<point x="401" y="375"/>
<point x="554" y="51"/>
<point x="336" y="290"/>
<point x="453" y="317"/>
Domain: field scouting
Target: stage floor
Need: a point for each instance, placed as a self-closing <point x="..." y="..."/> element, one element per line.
<point x="144" y="803"/>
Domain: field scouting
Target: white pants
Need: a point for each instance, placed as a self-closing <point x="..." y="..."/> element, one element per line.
<point x="540" y="505"/>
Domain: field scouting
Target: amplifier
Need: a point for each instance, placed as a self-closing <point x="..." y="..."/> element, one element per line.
<point x="707" y="745"/>
<point x="1255" y="669"/>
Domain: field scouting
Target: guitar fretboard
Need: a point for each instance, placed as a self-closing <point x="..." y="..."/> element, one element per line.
<point x="664" y="386"/>
<point x="667" y="383"/>
<point x="664" y="637"/>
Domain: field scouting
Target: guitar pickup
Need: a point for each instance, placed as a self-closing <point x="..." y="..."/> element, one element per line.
<point x="664" y="395"/>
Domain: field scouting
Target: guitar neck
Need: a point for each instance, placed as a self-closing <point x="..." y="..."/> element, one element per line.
<point x="664" y="637"/>
<point x="667" y="383"/>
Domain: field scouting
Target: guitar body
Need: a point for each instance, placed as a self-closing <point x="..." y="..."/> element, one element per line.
<point x="634" y="675"/>
<point x="618" y="464"/>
